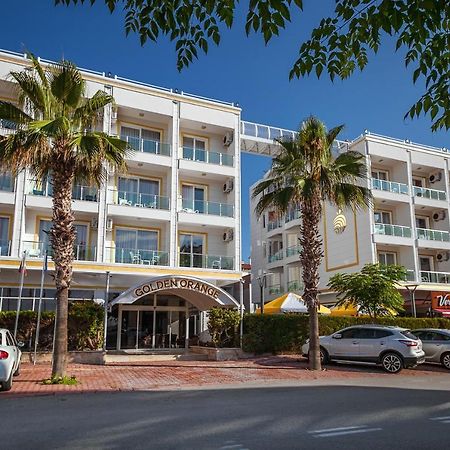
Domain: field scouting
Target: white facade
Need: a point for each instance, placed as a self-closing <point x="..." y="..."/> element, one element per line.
<point x="408" y="223"/>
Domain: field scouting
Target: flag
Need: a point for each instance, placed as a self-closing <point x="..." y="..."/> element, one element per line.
<point x="23" y="264"/>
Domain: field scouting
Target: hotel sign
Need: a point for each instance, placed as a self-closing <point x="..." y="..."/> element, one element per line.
<point x="440" y="300"/>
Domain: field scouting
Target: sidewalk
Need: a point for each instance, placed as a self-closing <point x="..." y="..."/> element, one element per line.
<point x="173" y="375"/>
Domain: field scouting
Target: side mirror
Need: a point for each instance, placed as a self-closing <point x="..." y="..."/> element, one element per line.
<point x="337" y="336"/>
<point x="20" y="344"/>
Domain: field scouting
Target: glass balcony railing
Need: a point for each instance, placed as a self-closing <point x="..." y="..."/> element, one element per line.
<point x="433" y="235"/>
<point x="147" y="146"/>
<point x="292" y="214"/>
<point x="390" y="186"/>
<point x="293" y="250"/>
<point x="295" y="286"/>
<point x="141" y="256"/>
<point x="36" y="249"/>
<point x="210" y="208"/>
<point x="392" y="230"/>
<point x="278" y="256"/>
<point x="206" y="261"/>
<point x="435" y="277"/>
<point x="221" y="159"/>
<point x="127" y="198"/>
<point x="275" y="289"/>
<point x="7" y="127"/>
<point x="6" y="182"/>
<point x="410" y="275"/>
<point x="44" y="189"/>
<point x="431" y="194"/>
<point x="5" y="248"/>
<point x="86" y="193"/>
<point x="274" y="224"/>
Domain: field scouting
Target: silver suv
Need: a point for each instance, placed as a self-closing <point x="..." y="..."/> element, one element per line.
<point x="392" y="347"/>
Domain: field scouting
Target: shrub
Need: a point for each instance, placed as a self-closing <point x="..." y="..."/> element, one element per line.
<point x="85" y="326"/>
<point x="222" y="326"/>
<point x="286" y="333"/>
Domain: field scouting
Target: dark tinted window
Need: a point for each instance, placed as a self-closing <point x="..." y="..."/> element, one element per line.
<point x="9" y="340"/>
<point x="440" y="337"/>
<point x="349" y="334"/>
<point x="418" y="334"/>
<point x="408" y="334"/>
<point x="379" y="334"/>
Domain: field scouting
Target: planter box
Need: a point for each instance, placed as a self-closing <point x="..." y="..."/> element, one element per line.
<point x="78" y="357"/>
<point x="220" y="354"/>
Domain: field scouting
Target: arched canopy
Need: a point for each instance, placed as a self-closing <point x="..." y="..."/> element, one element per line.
<point x="200" y="293"/>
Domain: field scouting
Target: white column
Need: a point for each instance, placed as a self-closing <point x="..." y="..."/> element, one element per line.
<point x="175" y="142"/>
<point x="237" y="192"/>
<point x="373" y="246"/>
<point x="413" y="219"/>
<point x="18" y="225"/>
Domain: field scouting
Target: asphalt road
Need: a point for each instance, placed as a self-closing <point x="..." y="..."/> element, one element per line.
<point x="314" y="417"/>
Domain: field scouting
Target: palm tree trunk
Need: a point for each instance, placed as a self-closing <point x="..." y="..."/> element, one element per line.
<point x="62" y="236"/>
<point x="310" y="257"/>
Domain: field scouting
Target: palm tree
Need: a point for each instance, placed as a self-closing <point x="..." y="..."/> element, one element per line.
<point x="55" y="136"/>
<point x="305" y="174"/>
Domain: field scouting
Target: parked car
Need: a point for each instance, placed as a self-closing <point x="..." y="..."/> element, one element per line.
<point x="391" y="347"/>
<point x="10" y="355"/>
<point x="436" y="345"/>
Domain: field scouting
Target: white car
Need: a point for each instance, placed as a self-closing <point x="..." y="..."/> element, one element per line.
<point x="10" y="355"/>
<point x="391" y="347"/>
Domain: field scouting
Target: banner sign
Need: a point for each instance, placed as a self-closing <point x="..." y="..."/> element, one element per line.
<point x="440" y="300"/>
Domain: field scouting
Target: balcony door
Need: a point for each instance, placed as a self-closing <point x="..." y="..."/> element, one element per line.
<point x="135" y="246"/>
<point x="380" y="174"/>
<point x="6" y="182"/>
<point x="151" y="139"/>
<point x="193" y="198"/>
<point x="138" y="191"/>
<point x="192" y="250"/>
<point x="194" y="148"/>
<point x="4" y="235"/>
<point x="387" y="258"/>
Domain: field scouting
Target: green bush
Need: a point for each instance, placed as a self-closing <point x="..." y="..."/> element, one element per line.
<point x="286" y="333"/>
<point x="222" y="326"/>
<point x="85" y="326"/>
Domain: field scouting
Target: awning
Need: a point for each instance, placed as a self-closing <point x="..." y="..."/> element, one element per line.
<point x="289" y="303"/>
<point x="444" y="312"/>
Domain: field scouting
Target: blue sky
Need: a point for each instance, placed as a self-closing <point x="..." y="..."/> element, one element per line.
<point x="240" y="69"/>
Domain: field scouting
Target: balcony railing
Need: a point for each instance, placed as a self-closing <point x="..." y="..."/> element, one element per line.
<point x="274" y="224"/>
<point x="274" y="289"/>
<point x="6" y="182"/>
<point x="206" y="261"/>
<point x="5" y="248"/>
<point x="431" y="194"/>
<point x="278" y="256"/>
<point x="392" y="230"/>
<point x="410" y="275"/>
<point x="433" y="235"/>
<point x="293" y="250"/>
<point x="127" y="198"/>
<point x="390" y="186"/>
<point x="136" y="256"/>
<point x="86" y="193"/>
<point x="210" y="208"/>
<point x="147" y="146"/>
<point x="221" y="159"/>
<point x="292" y="214"/>
<point x="44" y="189"/>
<point x="435" y="277"/>
<point x="7" y="127"/>
<point x="295" y="286"/>
<point x="36" y="249"/>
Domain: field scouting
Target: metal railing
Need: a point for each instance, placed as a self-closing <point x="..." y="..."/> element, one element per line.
<point x="410" y="275"/>
<point x="292" y="214"/>
<point x="147" y="145"/>
<point x="432" y="194"/>
<point x="210" y="208"/>
<point x="261" y="131"/>
<point x="7" y="127"/>
<point x="293" y="250"/>
<point x="81" y="252"/>
<point x="86" y="193"/>
<point x="206" y="261"/>
<point x="274" y="289"/>
<point x="278" y="256"/>
<point x="140" y="256"/>
<point x="5" y="248"/>
<point x="390" y="186"/>
<point x="274" y="224"/>
<point x="295" y="286"/>
<point x="6" y="182"/>
<point x="44" y="189"/>
<point x="434" y="277"/>
<point x="127" y="198"/>
<point x="206" y="156"/>
<point x="433" y="235"/>
<point x="392" y="230"/>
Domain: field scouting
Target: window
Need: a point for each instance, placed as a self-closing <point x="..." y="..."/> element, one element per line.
<point x="384" y="217"/>
<point x="4" y="235"/>
<point x="418" y="181"/>
<point x="426" y="263"/>
<point x="351" y="333"/>
<point x="138" y="192"/>
<point x="9" y="340"/>
<point x="380" y="174"/>
<point x="192" y="248"/>
<point x="387" y="258"/>
<point x="141" y="139"/>
<point x="422" y="222"/>
<point x="380" y="334"/>
<point x="194" y="148"/>
<point x="81" y="240"/>
<point x="136" y="246"/>
<point x="6" y="182"/>
<point x="193" y="198"/>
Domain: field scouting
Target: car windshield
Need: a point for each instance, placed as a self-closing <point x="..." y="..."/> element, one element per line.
<point x="408" y="335"/>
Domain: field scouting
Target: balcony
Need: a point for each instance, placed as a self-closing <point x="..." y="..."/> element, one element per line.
<point x="392" y="230"/>
<point x="435" y="277"/>
<point x="210" y="208"/>
<point x="5" y="248"/>
<point x="293" y="214"/>
<point x="390" y="186"/>
<point x="431" y="194"/>
<point x="7" y="127"/>
<point x="274" y="224"/>
<point x="204" y="156"/>
<point x="36" y="249"/>
<point x="206" y="261"/>
<point x="293" y="250"/>
<point x="278" y="256"/>
<point x="6" y="182"/>
<point x="127" y="198"/>
<point x="433" y="235"/>
<point x="275" y="289"/>
<point x="85" y="193"/>
<point x="140" y="256"/>
<point x="295" y="286"/>
<point x="147" y="146"/>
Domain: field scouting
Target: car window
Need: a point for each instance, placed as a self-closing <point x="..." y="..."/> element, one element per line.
<point x="349" y="334"/>
<point x="419" y="334"/>
<point x="1" y="339"/>
<point x="366" y="333"/>
<point x="9" y="340"/>
<point x="379" y="334"/>
<point x="408" y="334"/>
<point x="440" y="337"/>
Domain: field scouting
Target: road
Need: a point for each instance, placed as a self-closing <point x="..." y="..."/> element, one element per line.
<point x="310" y="417"/>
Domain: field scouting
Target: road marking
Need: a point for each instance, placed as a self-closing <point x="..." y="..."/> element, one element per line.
<point x="330" y="432"/>
<point x="440" y="418"/>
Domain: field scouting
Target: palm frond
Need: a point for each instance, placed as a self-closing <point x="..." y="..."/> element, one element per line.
<point x="90" y="110"/>
<point x="10" y="112"/>
<point x="67" y="84"/>
<point x="29" y="89"/>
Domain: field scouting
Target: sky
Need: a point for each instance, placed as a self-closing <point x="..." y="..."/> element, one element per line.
<point x="241" y="70"/>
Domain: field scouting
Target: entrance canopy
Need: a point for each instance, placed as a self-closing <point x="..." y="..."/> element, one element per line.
<point x="200" y="293"/>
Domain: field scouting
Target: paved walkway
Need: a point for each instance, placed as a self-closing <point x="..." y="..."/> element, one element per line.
<point x="172" y="375"/>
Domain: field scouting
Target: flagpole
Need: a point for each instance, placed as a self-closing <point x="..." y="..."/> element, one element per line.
<point x="41" y="293"/>
<point x="19" y="300"/>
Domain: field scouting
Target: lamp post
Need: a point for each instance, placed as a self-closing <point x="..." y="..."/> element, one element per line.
<point x="411" y="288"/>
<point x="262" y="284"/>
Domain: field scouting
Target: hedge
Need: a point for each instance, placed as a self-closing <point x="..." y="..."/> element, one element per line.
<point x="85" y="326"/>
<point x="286" y="333"/>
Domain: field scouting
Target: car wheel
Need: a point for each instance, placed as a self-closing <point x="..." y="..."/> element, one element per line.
<point x="324" y="356"/>
<point x="391" y="362"/>
<point x="7" y="385"/>
<point x="445" y="360"/>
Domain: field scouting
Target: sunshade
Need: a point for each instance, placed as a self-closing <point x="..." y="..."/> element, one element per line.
<point x="289" y="303"/>
<point x="342" y="311"/>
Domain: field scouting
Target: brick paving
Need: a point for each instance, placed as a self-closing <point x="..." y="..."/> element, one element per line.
<point x="170" y="375"/>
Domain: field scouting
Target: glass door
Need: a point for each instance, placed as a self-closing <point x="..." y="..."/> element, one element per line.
<point x="191" y="250"/>
<point x="145" y="329"/>
<point x="193" y="198"/>
<point x="4" y="234"/>
<point x="194" y="148"/>
<point x="128" y="332"/>
<point x="136" y="246"/>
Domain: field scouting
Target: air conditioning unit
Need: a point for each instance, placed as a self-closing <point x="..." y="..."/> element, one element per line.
<point x="439" y="215"/>
<point x="228" y="235"/>
<point x="442" y="256"/>
<point x="435" y="177"/>
<point x="109" y="225"/>
<point x="94" y="223"/>
<point x="228" y="139"/>
<point x="228" y="185"/>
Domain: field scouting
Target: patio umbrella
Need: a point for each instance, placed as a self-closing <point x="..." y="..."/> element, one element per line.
<point x="289" y="303"/>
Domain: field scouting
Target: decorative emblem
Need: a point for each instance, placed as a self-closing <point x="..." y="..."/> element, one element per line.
<point x="339" y="222"/>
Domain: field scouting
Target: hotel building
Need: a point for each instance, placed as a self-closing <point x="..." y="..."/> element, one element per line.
<point x="407" y="225"/>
